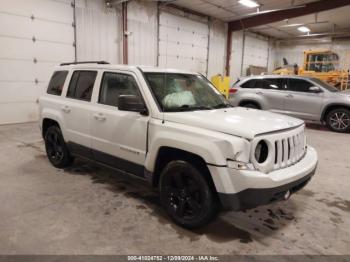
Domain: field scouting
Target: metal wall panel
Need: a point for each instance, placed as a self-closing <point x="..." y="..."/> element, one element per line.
<point x="217" y="48"/>
<point x="183" y="42"/>
<point x="236" y="55"/>
<point x="35" y="35"/>
<point x="143" y="29"/>
<point x="250" y="49"/>
<point x="99" y="32"/>
<point x="256" y="50"/>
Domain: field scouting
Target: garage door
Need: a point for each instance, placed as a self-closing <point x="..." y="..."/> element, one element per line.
<point x="255" y="52"/>
<point x="183" y="43"/>
<point x="35" y="35"/>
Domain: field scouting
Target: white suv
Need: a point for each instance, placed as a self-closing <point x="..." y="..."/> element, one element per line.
<point x="175" y="130"/>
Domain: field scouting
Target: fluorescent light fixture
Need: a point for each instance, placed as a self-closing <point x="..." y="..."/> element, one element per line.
<point x="249" y="3"/>
<point x="291" y="25"/>
<point x="304" y="29"/>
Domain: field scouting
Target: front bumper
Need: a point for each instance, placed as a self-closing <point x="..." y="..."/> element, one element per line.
<point x="245" y="189"/>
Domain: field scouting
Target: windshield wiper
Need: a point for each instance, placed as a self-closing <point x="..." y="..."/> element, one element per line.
<point x="187" y="108"/>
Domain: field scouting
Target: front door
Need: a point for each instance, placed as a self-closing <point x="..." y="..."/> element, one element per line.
<point x="302" y="102"/>
<point x="119" y="138"/>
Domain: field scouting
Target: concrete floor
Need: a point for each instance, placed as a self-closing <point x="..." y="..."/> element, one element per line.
<point x="92" y="210"/>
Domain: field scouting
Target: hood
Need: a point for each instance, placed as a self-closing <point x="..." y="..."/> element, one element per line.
<point x="237" y="121"/>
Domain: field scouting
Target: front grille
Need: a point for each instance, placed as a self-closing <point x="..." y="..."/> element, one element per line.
<point x="289" y="150"/>
<point x="285" y="148"/>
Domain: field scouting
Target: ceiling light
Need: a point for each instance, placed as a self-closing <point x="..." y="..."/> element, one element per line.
<point x="304" y="29"/>
<point x="291" y="25"/>
<point x="248" y="3"/>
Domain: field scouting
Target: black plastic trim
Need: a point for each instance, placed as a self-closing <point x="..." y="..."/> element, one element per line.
<point x="85" y="62"/>
<point x="106" y="159"/>
<point x="253" y="197"/>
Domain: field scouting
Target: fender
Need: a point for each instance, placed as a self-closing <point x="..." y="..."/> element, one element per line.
<point x="53" y="114"/>
<point x="214" y="147"/>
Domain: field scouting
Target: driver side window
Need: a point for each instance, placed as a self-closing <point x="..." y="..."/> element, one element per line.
<point x="115" y="84"/>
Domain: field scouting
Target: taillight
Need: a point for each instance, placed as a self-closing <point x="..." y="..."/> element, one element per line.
<point x="232" y="90"/>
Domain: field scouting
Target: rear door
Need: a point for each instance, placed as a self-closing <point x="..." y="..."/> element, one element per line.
<point x="273" y="92"/>
<point x="76" y="110"/>
<point x="119" y="138"/>
<point x="301" y="102"/>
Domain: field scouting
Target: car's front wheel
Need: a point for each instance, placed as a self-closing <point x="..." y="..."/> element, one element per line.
<point x="338" y="120"/>
<point x="56" y="148"/>
<point x="186" y="195"/>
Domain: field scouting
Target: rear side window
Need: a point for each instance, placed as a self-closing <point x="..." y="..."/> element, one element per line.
<point x="81" y="85"/>
<point x="274" y="84"/>
<point x="115" y="84"/>
<point x="56" y="83"/>
<point x="299" y="85"/>
<point x="249" y="84"/>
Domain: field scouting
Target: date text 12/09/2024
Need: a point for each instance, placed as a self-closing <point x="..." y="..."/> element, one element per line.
<point x="173" y="258"/>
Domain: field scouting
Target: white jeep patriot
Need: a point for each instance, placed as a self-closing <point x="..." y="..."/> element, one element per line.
<point x="175" y="130"/>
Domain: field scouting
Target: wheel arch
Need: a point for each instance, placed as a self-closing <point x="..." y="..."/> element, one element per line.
<point x="249" y="101"/>
<point x="331" y="107"/>
<point x="166" y="154"/>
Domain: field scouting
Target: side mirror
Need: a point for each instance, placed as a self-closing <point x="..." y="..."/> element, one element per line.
<point x="131" y="103"/>
<point x="315" y="89"/>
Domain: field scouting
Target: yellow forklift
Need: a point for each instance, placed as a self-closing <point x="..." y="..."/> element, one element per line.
<point x="322" y="64"/>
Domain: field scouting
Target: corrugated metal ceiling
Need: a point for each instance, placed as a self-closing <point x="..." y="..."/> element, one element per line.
<point x="229" y="10"/>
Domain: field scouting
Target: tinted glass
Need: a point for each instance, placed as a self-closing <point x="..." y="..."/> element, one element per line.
<point x="184" y="92"/>
<point x="115" y="84"/>
<point x="56" y="83"/>
<point x="273" y="83"/>
<point x="249" y="84"/>
<point x="81" y="85"/>
<point x="299" y="85"/>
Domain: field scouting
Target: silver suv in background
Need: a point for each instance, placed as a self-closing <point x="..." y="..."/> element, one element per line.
<point x="304" y="97"/>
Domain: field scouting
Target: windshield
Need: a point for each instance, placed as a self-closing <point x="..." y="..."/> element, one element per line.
<point x="325" y="85"/>
<point x="184" y="92"/>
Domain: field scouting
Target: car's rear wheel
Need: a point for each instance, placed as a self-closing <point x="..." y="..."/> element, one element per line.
<point x="338" y="120"/>
<point x="186" y="195"/>
<point x="56" y="148"/>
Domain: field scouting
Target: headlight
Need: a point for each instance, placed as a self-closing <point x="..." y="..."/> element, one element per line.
<point x="239" y="165"/>
<point x="261" y="152"/>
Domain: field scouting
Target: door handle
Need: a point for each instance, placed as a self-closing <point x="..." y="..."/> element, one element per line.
<point x="259" y="93"/>
<point x="99" y="117"/>
<point x="65" y="109"/>
<point x="289" y="96"/>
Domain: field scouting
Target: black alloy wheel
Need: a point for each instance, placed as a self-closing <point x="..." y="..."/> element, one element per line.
<point x="56" y="149"/>
<point x="186" y="195"/>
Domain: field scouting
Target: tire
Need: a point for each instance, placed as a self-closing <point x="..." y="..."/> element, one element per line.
<point x="186" y="195"/>
<point x="251" y="105"/>
<point x="338" y="120"/>
<point x="56" y="149"/>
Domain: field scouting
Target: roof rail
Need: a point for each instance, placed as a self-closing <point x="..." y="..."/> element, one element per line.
<point x="86" y="62"/>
